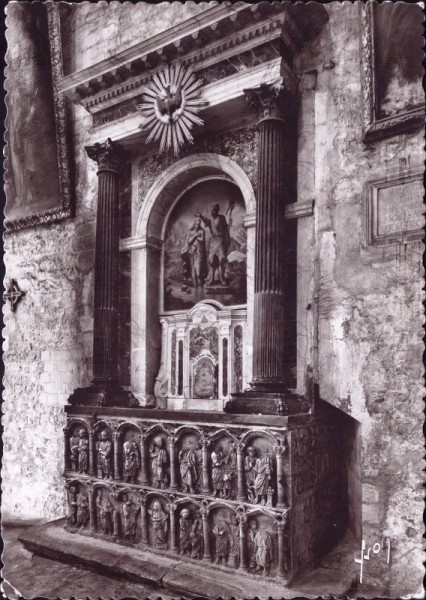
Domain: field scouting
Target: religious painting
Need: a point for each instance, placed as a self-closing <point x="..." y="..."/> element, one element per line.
<point x="392" y="54"/>
<point x="205" y="247"/>
<point x="37" y="178"/>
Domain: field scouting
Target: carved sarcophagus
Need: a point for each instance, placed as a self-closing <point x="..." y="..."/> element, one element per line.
<point x="255" y="493"/>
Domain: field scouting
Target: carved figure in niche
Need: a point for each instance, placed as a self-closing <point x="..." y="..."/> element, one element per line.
<point x="104" y="510"/>
<point x="220" y="531"/>
<point x="129" y="511"/>
<point x="234" y="543"/>
<point x="103" y="448"/>
<point x="185" y="527"/>
<point x="194" y="254"/>
<point x="230" y="473"/>
<point x="264" y="550"/>
<point x="218" y="461"/>
<point x="158" y="463"/>
<point x="251" y="543"/>
<point x="188" y="469"/>
<point x="72" y="505"/>
<point x="250" y="472"/>
<point x="82" y="510"/>
<point x="83" y="452"/>
<point x="219" y="243"/>
<point x="205" y="379"/>
<point x="196" y="537"/>
<point x="131" y="461"/>
<point x="263" y="475"/>
<point x="74" y="442"/>
<point x="159" y="525"/>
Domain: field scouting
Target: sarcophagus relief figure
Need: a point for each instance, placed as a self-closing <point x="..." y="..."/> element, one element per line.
<point x="159" y="462"/>
<point x="224" y="468"/>
<point x="104" y="512"/>
<point x="78" y="449"/>
<point x="190" y="457"/>
<point x="104" y="455"/>
<point x="78" y="501"/>
<point x="158" y="525"/>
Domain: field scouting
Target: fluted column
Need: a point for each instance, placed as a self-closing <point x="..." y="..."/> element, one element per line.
<point x="206" y="478"/>
<point x="172" y="512"/>
<point x="276" y="185"/>
<point x="282" y="558"/>
<point x="241" y="495"/>
<point x="116" y="523"/>
<point x="207" y="557"/>
<point x="243" y="554"/>
<point x="279" y="454"/>
<point x="67" y="462"/>
<point x="173" y="481"/>
<point x="117" y="474"/>
<point x="92" y="508"/>
<point x="109" y="157"/>
<point x="144" y="466"/>
<point x="144" y="523"/>
<point x="92" y="470"/>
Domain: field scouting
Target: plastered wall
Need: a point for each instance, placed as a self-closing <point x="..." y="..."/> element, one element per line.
<point x="366" y="348"/>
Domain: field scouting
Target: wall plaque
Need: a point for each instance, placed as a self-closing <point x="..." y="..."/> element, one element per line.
<point x="395" y="207"/>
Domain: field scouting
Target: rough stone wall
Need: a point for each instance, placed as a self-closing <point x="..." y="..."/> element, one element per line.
<point x="94" y="32"/>
<point x="369" y="307"/>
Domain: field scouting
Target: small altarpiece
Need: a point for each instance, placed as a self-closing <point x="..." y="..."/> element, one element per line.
<point x="203" y="303"/>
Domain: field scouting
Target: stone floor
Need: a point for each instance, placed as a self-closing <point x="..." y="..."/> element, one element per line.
<point x="31" y="576"/>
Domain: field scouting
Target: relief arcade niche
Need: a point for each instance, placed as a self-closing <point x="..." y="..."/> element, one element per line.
<point x="202" y="492"/>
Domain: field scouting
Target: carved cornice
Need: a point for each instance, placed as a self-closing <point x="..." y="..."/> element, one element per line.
<point x="109" y="155"/>
<point x="215" y="35"/>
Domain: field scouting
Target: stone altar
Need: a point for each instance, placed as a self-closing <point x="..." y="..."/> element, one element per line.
<point x="254" y="493"/>
<point x="256" y="481"/>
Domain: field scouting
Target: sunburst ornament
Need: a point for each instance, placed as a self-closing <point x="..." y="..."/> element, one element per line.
<point x="170" y="105"/>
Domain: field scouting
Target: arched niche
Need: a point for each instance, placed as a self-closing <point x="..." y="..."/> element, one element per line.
<point x="147" y="247"/>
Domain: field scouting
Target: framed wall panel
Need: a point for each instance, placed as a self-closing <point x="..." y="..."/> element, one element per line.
<point x="392" y="69"/>
<point x="37" y="179"/>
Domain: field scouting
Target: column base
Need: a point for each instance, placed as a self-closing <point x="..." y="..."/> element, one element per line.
<point x="111" y="395"/>
<point x="267" y="401"/>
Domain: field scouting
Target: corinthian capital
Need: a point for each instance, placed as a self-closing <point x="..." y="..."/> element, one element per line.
<point x="109" y="155"/>
<point x="273" y="100"/>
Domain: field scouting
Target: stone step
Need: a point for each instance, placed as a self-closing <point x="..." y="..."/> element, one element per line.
<point x="134" y="564"/>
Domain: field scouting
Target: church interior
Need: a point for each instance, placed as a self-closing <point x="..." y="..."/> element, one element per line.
<point x="213" y="305"/>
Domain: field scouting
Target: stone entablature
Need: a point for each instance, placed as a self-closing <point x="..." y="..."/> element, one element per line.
<point x="216" y="35"/>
